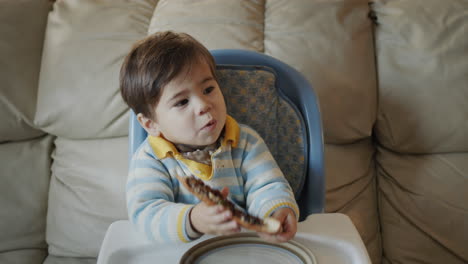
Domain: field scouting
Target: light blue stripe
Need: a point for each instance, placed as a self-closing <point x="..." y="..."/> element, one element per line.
<point x="148" y="230"/>
<point x="171" y="164"/>
<point x="276" y="191"/>
<point x="236" y="190"/>
<point x="146" y="163"/>
<point x="239" y="173"/>
<point x="163" y="223"/>
<point x="255" y="188"/>
<point x="187" y="198"/>
<point x="133" y="182"/>
<point x="255" y="152"/>
<point x="149" y="195"/>
<point x="226" y="172"/>
<point x="237" y="153"/>
<point x="262" y="168"/>
<point x="266" y="195"/>
<point x="225" y="155"/>
<point x="251" y="139"/>
<point x="140" y="209"/>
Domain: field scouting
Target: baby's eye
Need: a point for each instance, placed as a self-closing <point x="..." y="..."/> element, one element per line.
<point x="181" y="103"/>
<point x="208" y="90"/>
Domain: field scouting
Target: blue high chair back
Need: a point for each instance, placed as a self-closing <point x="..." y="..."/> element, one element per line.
<point x="280" y="104"/>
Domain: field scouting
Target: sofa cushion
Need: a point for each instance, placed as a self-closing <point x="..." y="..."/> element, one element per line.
<point x="423" y="206"/>
<point x="87" y="194"/>
<point x="23" y="256"/>
<point x="69" y="260"/>
<point x="85" y="44"/>
<point x="23" y="197"/>
<point x="20" y="56"/>
<point x="421" y="128"/>
<point x="423" y="75"/>
<point x="218" y="24"/>
<point x="330" y="42"/>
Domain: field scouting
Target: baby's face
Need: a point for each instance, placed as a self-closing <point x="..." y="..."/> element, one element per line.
<point x="191" y="109"/>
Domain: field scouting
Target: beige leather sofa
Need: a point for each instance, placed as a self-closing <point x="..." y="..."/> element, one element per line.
<point x="392" y="79"/>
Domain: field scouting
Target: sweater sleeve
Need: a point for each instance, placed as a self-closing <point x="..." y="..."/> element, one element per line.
<point x="265" y="185"/>
<point x="150" y="200"/>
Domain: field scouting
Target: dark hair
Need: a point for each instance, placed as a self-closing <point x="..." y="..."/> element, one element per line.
<point x="153" y="62"/>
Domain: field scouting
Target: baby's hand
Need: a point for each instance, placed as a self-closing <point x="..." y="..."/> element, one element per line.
<point x="288" y="228"/>
<point x="214" y="220"/>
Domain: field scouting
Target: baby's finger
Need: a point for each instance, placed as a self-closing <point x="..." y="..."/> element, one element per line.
<point x="222" y="217"/>
<point x="268" y="237"/>
<point x="215" y="209"/>
<point x="228" y="227"/>
<point x="225" y="192"/>
<point x="283" y="237"/>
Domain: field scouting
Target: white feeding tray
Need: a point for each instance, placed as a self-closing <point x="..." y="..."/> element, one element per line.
<point x="246" y="248"/>
<point x="321" y="238"/>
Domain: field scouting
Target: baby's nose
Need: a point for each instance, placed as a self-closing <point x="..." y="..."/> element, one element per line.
<point x="204" y="107"/>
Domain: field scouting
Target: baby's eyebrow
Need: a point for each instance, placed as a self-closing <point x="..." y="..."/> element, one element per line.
<point x="207" y="79"/>
<point x="177" y="95"/>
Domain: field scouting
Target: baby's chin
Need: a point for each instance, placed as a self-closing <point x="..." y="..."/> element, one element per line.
<point x="207" y="143"/>
<point x="200" y="144"/>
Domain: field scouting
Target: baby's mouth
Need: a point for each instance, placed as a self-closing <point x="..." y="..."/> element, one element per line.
<point x="210" y="124"/>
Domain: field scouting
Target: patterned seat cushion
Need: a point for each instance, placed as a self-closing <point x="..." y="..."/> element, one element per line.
<point x="253" y="99"/>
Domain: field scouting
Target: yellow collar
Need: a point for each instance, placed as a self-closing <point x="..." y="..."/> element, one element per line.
<point x="162" y="147"/>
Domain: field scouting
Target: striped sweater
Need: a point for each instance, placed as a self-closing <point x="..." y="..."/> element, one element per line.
<point x="158" y="205"/>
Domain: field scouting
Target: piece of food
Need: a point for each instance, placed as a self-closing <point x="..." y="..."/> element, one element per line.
<point x="213" y="197"/>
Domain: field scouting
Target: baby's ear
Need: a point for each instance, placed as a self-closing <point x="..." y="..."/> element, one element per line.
<point x="149" y="125"/>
